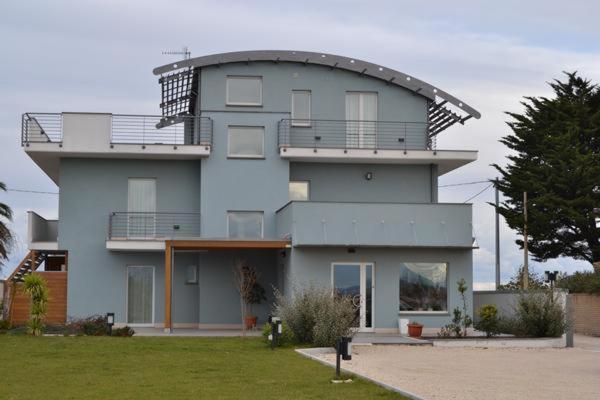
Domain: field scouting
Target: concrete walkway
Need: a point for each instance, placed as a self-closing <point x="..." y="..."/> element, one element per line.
<point x="179" y="332"/>
<point x="479" y="373"/>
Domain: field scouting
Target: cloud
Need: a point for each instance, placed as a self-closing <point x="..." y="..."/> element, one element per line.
<point x="98" y="56"/>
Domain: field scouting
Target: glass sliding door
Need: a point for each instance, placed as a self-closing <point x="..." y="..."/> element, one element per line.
<point x="361" y="120"/>
<point x="356" y="280"/>
<point x="141" y="208"/>
<point x="140" y="295"/>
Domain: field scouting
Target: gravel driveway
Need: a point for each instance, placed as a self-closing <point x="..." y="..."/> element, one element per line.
<point x="462" y="373"/>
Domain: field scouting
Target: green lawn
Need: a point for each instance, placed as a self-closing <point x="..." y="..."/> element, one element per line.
<point x="165" y="368"/>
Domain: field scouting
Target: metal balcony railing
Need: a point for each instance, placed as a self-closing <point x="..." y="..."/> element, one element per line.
<point x="347" y="134"/>
<point x="153" y="129"/>
<point x="149" y="226"/>
<point x="125" y="129"/>
<point x="41" y="128"/>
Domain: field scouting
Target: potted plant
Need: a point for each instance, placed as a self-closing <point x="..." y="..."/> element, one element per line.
<point x="415" y="329"/>
<point x="256" y="295"/>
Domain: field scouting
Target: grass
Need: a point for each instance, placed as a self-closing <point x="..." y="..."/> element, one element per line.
<point x="148" y="368"/>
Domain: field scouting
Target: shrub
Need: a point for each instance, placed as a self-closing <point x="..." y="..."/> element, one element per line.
<point x="36" y="288"/>
<point x="94" y="325"/>
<point x="334" y="320"/>
<point x="461" y="319"/>
<point x="286" y="338"/>
<point x="489" y="321"/>
<point x="581" y="282"/>
<point x="125" y="331"/>
<point x="314" y="315"/>
<point x="536" y="314"/>
<point x="4" y="325"/>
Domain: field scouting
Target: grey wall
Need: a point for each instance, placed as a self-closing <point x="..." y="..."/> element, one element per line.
<point x="505" y="301"/>
<point x="328" y="87"/>
<point x="90" y="190"/>
<point x="346" y="182"/>
<point x="218" y="298"/>
<point x="314" y="265"/>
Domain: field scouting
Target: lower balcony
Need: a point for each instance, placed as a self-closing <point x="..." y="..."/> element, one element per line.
<point x="149" y="230"/>
<point x="434" y="225"/>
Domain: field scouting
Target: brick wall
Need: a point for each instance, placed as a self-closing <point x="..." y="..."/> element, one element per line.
<point x="586" y="313"/>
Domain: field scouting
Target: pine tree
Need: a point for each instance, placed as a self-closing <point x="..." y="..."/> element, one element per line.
<point x="555" y="157"/>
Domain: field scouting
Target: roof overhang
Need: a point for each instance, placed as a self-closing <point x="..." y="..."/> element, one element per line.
<point x="388" y="75"/>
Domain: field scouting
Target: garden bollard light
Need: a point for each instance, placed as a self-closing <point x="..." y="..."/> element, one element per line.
<point x="343" y="350"/>
<point x="110" y="321"/>
<point x="276" y="330"/>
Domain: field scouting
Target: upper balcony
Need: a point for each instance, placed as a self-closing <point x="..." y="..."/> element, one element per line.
<point x="47" y="137"/>
<point x="42" y="234"/>
<point x="313" y="223"/>
<point x="346" y="141"/>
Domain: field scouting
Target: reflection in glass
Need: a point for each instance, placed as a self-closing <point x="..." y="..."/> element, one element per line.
<point x="346" y="282"/>
<point x="423" y="287"/>
<point x="368" y="295"/>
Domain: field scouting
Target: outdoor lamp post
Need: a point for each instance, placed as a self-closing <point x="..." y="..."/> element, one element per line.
<point x="343" y="351"/>
<point x="276" y="330"/>
<point x="110" y="321"/>
<point x="551" y="277"/>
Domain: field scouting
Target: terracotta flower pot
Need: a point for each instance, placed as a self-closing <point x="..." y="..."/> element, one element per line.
<point x="415" y="330"/>
<point x="250" y="322"/>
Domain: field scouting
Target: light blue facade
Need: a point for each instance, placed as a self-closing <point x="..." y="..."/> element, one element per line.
<point x="387" y="219"/>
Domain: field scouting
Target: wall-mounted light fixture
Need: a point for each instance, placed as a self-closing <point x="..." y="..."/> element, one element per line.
<point x="369" y="176"/>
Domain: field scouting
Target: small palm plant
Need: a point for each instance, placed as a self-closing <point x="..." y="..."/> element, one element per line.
<point x="5" y="233"/>
<point x="35" y="287"/>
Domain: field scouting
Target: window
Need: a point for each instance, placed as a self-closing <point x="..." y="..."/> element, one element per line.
<point x="301" y="108"/>
<point x="191" y="274"/>
<point x="245" y="224"/>
<point x="244" y="91"/>
<point x="246" y="141"/>
<point x="140" y="295"/>
<point x="423" y="287"/>
<point x="298" y="190"/>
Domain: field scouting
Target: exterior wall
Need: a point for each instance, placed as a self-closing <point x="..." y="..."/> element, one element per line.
<point x="242" y="184"/>
<point x="505" y="301"/>
<point x="219" y="301"/>
<point x="90" y="191"/>
<point x="57" y="304"/>
<point x="586" y="313"/>
<point x="328" y="88"/>
<point x="346" y="182"/>
<point x="314" y="265"/>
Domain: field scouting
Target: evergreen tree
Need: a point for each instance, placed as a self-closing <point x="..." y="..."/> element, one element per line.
<point x="555" y="158"/>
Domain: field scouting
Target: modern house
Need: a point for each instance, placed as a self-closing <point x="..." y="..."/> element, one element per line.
<point x="309" y="167"/>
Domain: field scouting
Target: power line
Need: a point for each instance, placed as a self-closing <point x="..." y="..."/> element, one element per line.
<point x="463" y="183"/>
<point x="484" y="189"/>
<point x="30" y="191"/>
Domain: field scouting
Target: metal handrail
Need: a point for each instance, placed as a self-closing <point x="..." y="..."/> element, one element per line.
<point x="125" y="129"/>
<point x="354" y="134"/>
<point x="153" y="225"/>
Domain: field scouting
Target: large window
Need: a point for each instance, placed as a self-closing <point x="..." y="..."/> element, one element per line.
<point x="301" y="107"/>
<point x="246" y="141"/>
<point x="245" y="224"/>
<point x="244" y="91"/>
<point x="298" y="190"/>
<point x="140" y="295"/>
<point x="423" y="287"/>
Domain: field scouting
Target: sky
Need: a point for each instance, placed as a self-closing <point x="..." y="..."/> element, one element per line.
<point x="99" y="55"/>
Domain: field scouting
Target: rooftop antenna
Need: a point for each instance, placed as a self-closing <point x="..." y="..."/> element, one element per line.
<point x="185" y="52"/>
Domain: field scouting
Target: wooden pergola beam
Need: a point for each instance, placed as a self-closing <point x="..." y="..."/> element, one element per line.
<point x="229" y="244"/>
<point x="168" y="285"/>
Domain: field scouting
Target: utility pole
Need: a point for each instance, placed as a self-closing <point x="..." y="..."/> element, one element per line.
<point x="525" y="254"/>
<point x="497" y="236"/>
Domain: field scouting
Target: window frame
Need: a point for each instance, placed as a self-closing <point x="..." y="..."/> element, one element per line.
<point x="307" y="189"/>
<point x="247" y="156"/>
<point x="297" y="122"/>
<point x="262" y="222"/>
<point x="239" y="103"/>
<point x="425" y="312"/>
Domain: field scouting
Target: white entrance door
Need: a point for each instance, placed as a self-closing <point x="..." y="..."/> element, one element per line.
<point x="140" y="295"/>
<point x="356" y="280"/>
<point x="141" y="208"/>
<point x="361" y="120"/>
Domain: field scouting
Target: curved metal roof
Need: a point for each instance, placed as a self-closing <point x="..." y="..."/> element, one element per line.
<point x="329" y="60"/>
